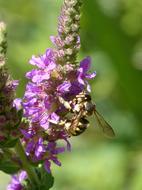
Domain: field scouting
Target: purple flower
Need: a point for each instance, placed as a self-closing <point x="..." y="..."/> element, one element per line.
<point x="38" y="150"/>
<point x="45" y="61"/>
<point x="53" y="156"/>
<point x="38" y="76"/>
<point x="85" y="65"/>
<point x="17" y="180"/>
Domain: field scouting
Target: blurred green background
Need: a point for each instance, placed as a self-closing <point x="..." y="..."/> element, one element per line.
<point x="111" y="33"/>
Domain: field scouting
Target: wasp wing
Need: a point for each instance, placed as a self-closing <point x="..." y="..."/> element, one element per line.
<point x="107" y="129"/>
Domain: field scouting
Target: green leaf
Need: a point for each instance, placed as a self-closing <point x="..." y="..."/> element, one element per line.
<point x="9" y="167"/>
<point x="46" y="180"/>
<point x="8" y="144"/>
<point x="20" y="115"/>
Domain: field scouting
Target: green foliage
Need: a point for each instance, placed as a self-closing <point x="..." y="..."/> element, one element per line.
<point x="46" y="180"/>
<point x="9" y="143"/>
<point x="132" y="17"/>
<point x="8" y="167"/>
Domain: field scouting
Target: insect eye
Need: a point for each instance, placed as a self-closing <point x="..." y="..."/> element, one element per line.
<point x="84" y="121"/>
<point x="88" y="97"/>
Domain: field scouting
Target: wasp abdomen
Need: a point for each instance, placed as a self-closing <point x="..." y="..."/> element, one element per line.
<point x="81" y="127"/>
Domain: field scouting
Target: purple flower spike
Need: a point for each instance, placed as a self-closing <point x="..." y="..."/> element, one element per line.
<point x="44" y="109"/>
<point x="53" y="85"/>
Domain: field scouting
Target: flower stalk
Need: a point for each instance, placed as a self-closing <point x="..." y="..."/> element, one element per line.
<point x="26" y="166"/>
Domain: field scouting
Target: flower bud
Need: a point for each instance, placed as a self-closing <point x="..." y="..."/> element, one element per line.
<point x="68" y="29"/>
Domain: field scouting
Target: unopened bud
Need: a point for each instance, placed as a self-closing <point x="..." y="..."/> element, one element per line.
<point x="69" y="51"/>
<point x="75" y="27"/>
<point x="68" y="29"/>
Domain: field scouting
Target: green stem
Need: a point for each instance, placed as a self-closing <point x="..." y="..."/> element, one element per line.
<point x="26" y="165"/>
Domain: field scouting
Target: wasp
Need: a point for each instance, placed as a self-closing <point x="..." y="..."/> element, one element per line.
<point x="81" y="107"/>
<point x="74" y="126"/>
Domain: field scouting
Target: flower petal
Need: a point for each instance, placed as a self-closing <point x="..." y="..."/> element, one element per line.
<point x="17" y="103"/>
<point x="81" y="76"/>
<point x="47" y="166"/>
<point x="38" y="61"/>
<point x="90" y="76"/>
<point x="85" y="64"/>
<point x="64" y="87"/>
<point x="56" y="161"/>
